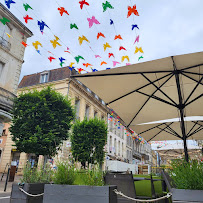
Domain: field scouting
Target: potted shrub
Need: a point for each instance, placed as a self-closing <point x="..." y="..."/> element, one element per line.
<point x="32" y="182"/>
<point x="79" y="186"/>
<point x="185" y="181"/>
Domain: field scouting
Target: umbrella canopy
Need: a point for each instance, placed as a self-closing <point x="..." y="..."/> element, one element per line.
<point x="155" y="90"/>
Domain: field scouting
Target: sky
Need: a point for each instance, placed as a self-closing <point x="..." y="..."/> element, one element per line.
<point x="165" y="28"/>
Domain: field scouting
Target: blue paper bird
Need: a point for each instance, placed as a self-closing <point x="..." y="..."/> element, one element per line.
<point x="134" y="26"/>
<point x="111" y="22"/>
<point x="108" y="68"/>
<point x="38" y="51"/>
<point x="9" y="2"/>
<point x="94" y="70"/>
<point x="42" y="25"/>
<point x="61" y="59"/>
<point x="71" y="68"/>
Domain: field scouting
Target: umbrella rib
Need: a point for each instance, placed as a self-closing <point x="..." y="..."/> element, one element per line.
<point x="195" y="66"/>
<point x="148" y="100"/>
<point x="193" y="90"/>
<point x="137" y="89"/>
<point x="158" y="88"/>
<point x="194" y="99"/>
<point x="165" y="130"/>
<point x="172" y="130"/>
<point x="191" y="78"/>
<point x="192" y="73"/>
<point x="196" y="131"/>
<point x="195" y="123"/>
<point x="150" y="129"/>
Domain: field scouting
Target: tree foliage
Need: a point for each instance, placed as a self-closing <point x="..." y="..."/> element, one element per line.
<point x="88" y="141"/>
<point x="41" y="121"/>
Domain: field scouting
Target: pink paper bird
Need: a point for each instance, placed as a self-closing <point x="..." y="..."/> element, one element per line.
<point x="128" y="64"/>
<point x="137" y="39"/>
<point x="97" y="56"/>
<point x="92" y="21"/>
<point x="115" y="63"/>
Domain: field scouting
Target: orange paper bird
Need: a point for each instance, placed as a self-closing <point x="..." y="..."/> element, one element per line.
<point x="36" y="44"/>
<point x="132" y="10"/>
<point x="81" y="39"/>
<point x="111" y="54"/>
<point x="103" y="62"/>
<point x="138" y="49"/>
<point x="100" y="35"/>
<point x="62" y="10"/>
<point x="121" y="47"/>
<point x="55" y="42"/>
<point x="106" y="46"/>
<point x="51" y="58"/>
<point x="80" y="70"/>
<point x="86" y="64"/>
<point x="125" y="57"/>
<point x="67" y="51"/>
<point x="24" y="44"/>
<point x="118" y="37"/>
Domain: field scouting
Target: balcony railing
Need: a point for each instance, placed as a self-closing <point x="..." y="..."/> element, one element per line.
<point x="5" y="44"/>
<point x="6" y="99"/>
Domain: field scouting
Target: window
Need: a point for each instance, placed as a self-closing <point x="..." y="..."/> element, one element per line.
<point x="103" y="102"/>
<point x="111" y="125"/>
<point x="87" y="109"/>
<point x="4" y="39"/>
<point x="1" y="68"/>
<point x="110" y="144"/>
<point x="89" y="90"/>
<point x="102" y="117"/>
<point x="44" y="78"/>
<point x="96" y="97"/>
<point x="122" y="150"/>
<point x="95" y="114"/>
<point x="115" y="147"/>
<point x="119" y="144"/>
<point x="77" y="107"/>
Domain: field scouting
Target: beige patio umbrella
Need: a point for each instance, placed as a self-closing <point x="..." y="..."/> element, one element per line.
<point x="155" y="90"/>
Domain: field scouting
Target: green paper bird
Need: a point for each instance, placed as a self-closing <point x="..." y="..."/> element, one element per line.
<point x="73" y="26"/>
<point x="27" y="6"/>
<point x="107" y="5"/>
<point x="61" y="64"/>
<point x="141" y="57"/>
<point x="77" y="58"/>
<point x="4" y="20"/>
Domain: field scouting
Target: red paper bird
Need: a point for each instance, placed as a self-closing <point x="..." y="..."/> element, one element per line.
<point x="82" y="3"/>
<point x="132" y="10"/>
<point x="118" y="37"/>
<point x="86" y="64"/>
<point x="121" y="47"/>
<point x="62" y="10"/>
<point x="24" y="44"/>
<point x="80" y="70"/>
<point x="27" y="18"/>
<point x="111" y="54"/>
<point x="51" y="58"/>
<point x="100" y="35"/>
<point x="67" y="51"/>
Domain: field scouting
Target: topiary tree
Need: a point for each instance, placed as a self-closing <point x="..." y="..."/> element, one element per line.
<point x="41" y="121"/>
<point x="88" y="140"/>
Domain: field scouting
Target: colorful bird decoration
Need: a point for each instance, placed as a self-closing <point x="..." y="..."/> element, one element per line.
<point x="134" y="26"/>
<point x="71" y="64"/>
<point x="81" y="39"/>
<point x="97" y="56"/>
<point x="36" y="44"/>
<point x="4" y="20"/>
<point x="141" y="57"/>
<point x="27" y="6"/>
<point x="8" y="35"/>
<point x="61" y="59"/>
<point x="100" y="35"/>
<point x="138" y="50"/>
<point x="24" y="44"/>
<point x="82" y="3"/>
<point x="86" y="64"/>
<point x="26" y="18"/>
<point x="62" y="10"/>
<point x="122" y="48"/>
<point x="106" y="5"/>
<point x="42" y="25"/>
<point x="77" y="58"/>
<point x="80" y="70"/>
<point x="61" y="64"/>
<point x="73" y="26"/>
<point x="125" y="57"/>
<point x="38" y="51"/>
<point x="132" y="10"/>
<point x="118" y="37"/>
<point x="137" y="39"/>
<point x="106" y="46"/>
<point x="51" y="58"/>
<point x="111" y="22"/>
<point x="115" y="63"/>
<point x="128" y="64"/>
<point x="9" y="2"/>
<point x="111" y="54"/>
<point x="92" y="21"/>
<point x="103" y="62"/>
<point x="55" y="42"/>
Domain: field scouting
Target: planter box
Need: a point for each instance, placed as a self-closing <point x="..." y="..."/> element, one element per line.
<point x="33" y="188"/>
<point x="79" y="194"/>
<point x="182" y="195"/>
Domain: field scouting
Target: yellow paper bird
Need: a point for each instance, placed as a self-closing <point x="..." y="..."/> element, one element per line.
<point x="81" y="39"/>
<point x="71" y="64"/>
<point x="55" y="42"/>
<point x="138" y="49"/>
<point x="125" y="57"/>
<point x="8" y="35"/>
<point x="106" y="45"/>
<point x="36" y="44"/>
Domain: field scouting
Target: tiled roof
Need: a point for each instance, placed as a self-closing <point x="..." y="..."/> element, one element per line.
<point x="54" y="75"/>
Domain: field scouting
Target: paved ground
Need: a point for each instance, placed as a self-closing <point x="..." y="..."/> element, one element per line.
<point x="5" y="196"/>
